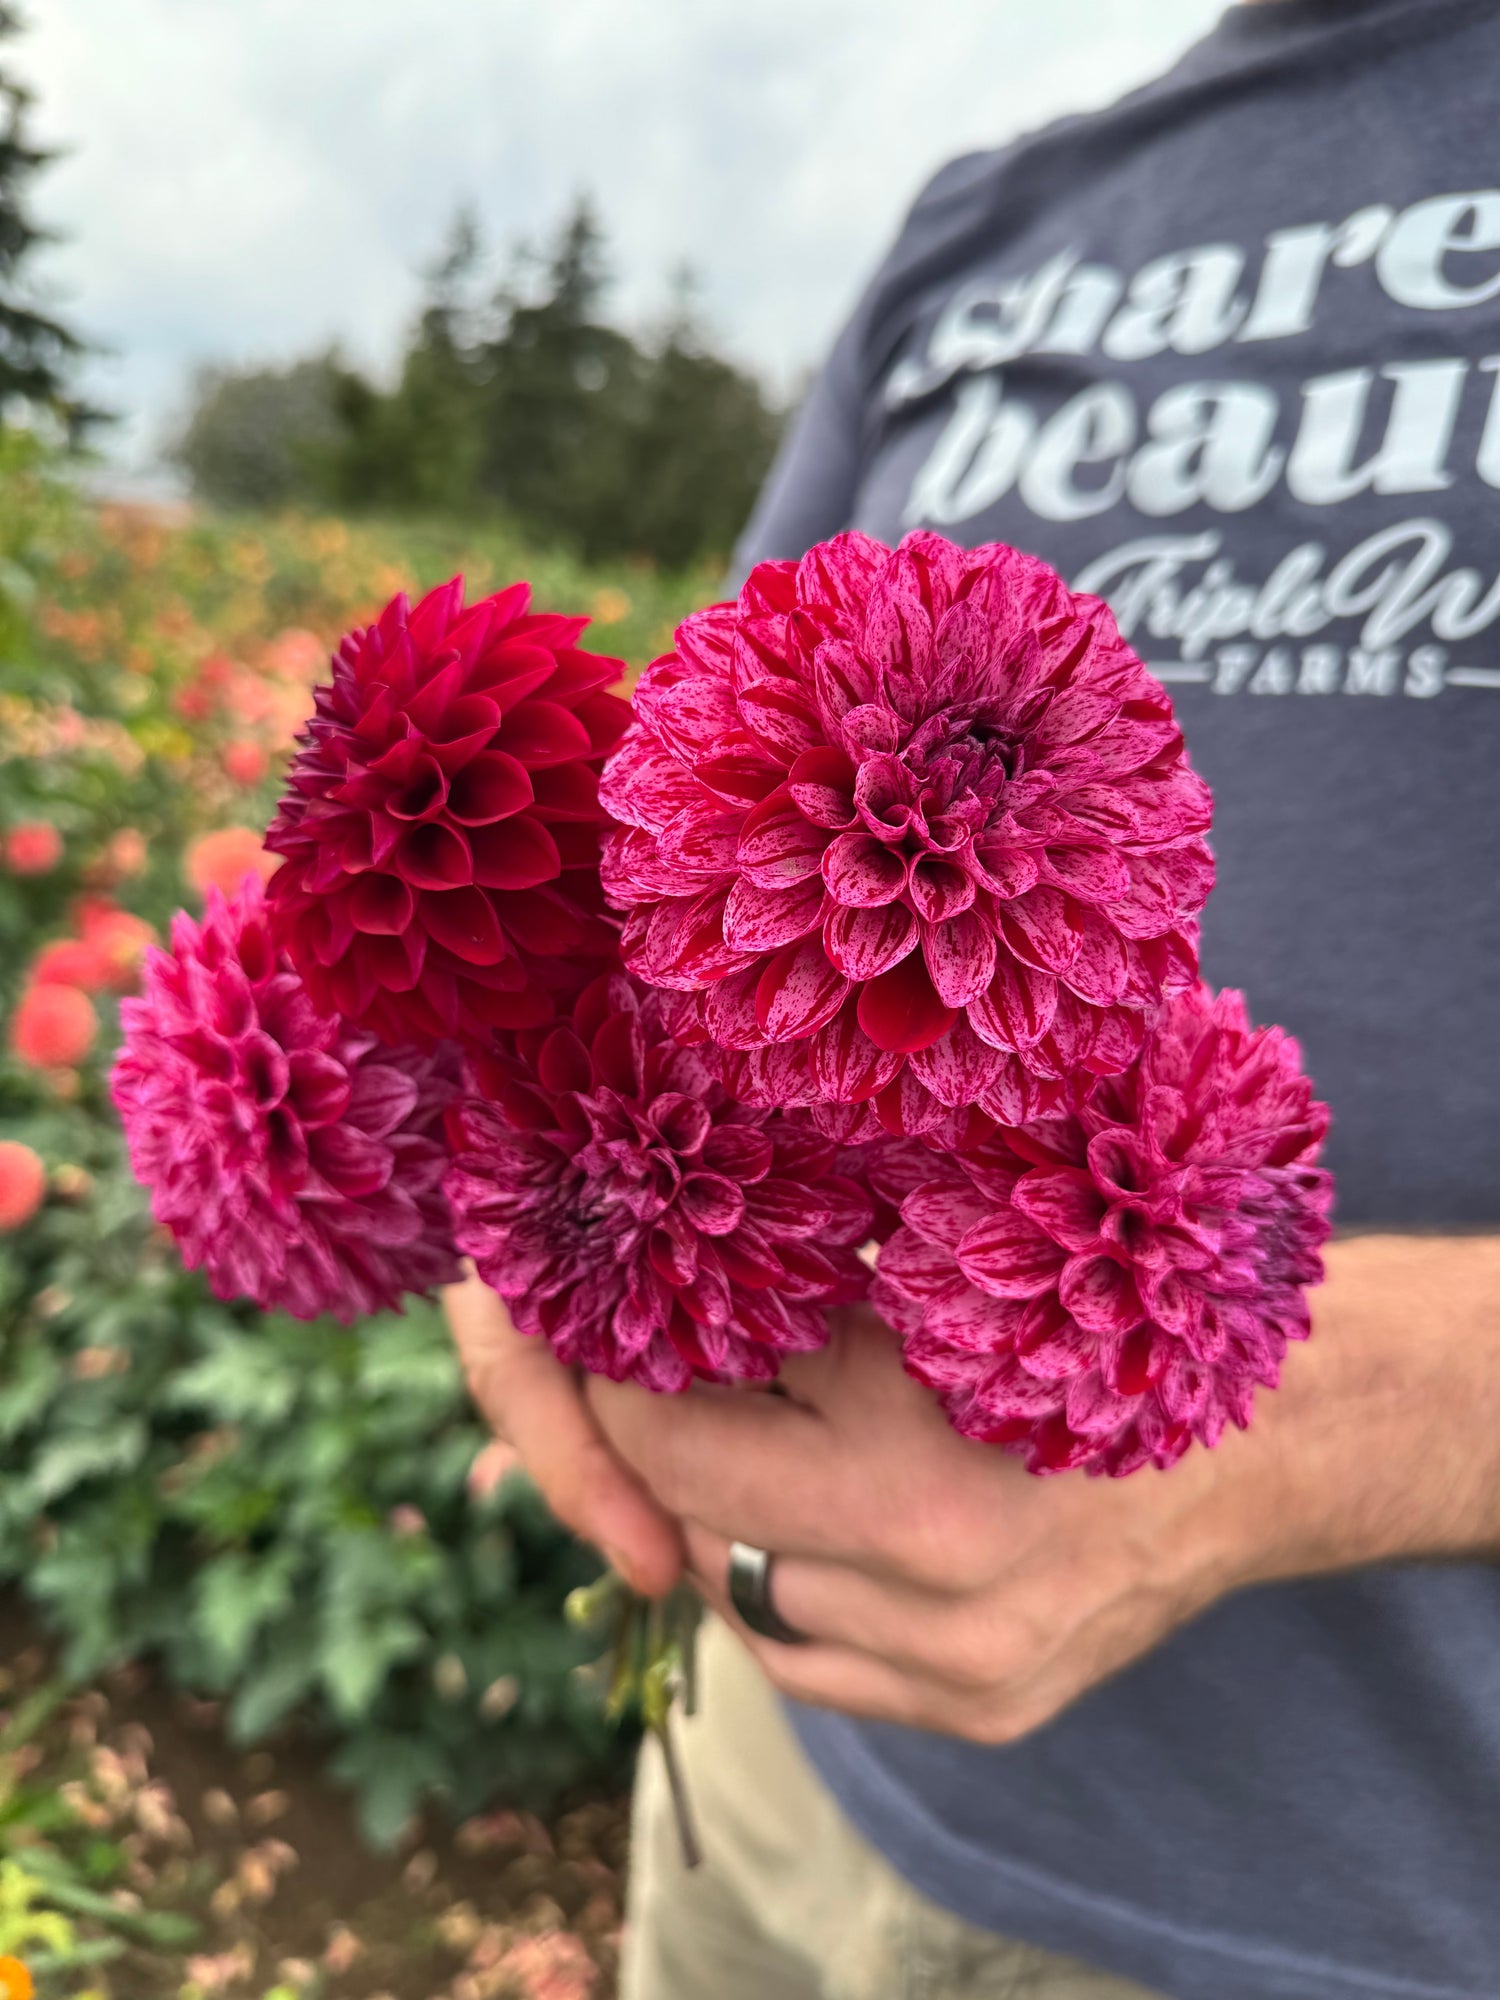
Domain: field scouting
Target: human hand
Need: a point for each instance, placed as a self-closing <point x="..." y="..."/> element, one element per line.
<point x="530" y="1399"/>
<point x="941" y="1585"/>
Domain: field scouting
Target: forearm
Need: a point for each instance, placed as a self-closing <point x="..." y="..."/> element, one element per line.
<point x="1383" y="1443"/>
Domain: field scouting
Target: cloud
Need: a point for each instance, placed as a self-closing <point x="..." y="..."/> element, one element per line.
<point x="251" y="181"/>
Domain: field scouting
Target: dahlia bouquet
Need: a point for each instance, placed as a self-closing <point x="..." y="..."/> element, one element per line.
<point x="871" y="920"/>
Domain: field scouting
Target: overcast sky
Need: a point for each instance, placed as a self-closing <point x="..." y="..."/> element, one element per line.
<point x="252" y="179"/>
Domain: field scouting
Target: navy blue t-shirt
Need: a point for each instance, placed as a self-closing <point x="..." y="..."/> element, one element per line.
<point x="1229" y="355"/>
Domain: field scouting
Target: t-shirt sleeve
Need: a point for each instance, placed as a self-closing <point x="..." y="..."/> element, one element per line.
<point x="811" y="489"/>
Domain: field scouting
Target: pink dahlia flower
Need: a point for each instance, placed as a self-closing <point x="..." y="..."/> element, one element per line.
<point x="440" y="829"/>
<point x="1100" y="1289"/>
<point x="294" y="1159"/>
<point x="637" y="1218"/>
<point x="915" y="826"/>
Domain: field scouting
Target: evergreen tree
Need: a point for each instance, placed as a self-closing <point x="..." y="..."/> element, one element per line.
<point x="561" y="390"/>
<point x="521" y="399"/>
<point x="35" y="349"/>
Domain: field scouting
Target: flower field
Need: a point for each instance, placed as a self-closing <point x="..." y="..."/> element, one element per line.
<point x="275" y="1528"/>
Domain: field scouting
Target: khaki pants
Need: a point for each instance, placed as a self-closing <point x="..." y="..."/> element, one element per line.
<point x="790" y="1903"/>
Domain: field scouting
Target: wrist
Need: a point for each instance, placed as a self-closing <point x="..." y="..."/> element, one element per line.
<point x="1383" y="1442"/>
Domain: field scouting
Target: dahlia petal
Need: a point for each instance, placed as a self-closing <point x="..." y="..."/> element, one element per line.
<point x="686" y="936"/>
<point x="1101" y="1295"/>
<point x="919" y="1269"/>
<point x="423" y="792"/>
<point x="434" y="857"/>
<point x="871" y="730"/>
<point x="463" y="921"/>
<point x="840" y="572"/>
<point x="847" y="1067"/>
<point x="939" y="889"/>
<point x="844" y="680"/>
<point x="644" y="785"/>
<point x="606" y="717"/>
<point x="779" y="719"/>
<point x="861" y="871"/>
<point x="885" y="793"/>
<point x="381" y="905"/>
<point x="692" y="713"/>
<point x="798" y="991"/>
<point x="943" y="1213"/>
<point x="907" y="1109"/>
<point x="511" y="669"/>
<point x="1067" y="1205"/>
<point x="467" y="727"/>
<point x="1100" y="972"/>
<point x="711" y="1203"/>
<point x="318" y="1087"/>
<point x="1093" y="1408"/>
<point x="1005" y="870"/>
<point x="539" y="733"/>
<point x="740" y="773"/>
<point x="1091" y="874"/>
<point x="729" y="1010"/>
<point x="1016" y="1009"/>
<point x="901" y="1011"/>
<point x="1117" y="1042"/>
<point x="1007" y="1256"/>
<point x="958" y="1068"/>
<point x="1130" y="742"/>
<point x="960" y="955"/>
<point x="490" y="787"/>
<point x="537" y="920"/>
<point x="516" y="853"/>
<point x="777" y="846"/>
<point x="763" y="919"/>
<point x="381" y="1099"/>
<point x="821" y="782"/>
<point x="703" y="838"/>
<point x="898" y="632"/>
<point x="741" y="1152"/>
<point x="864" y="942"/>
<point x="854" y="1125"/>
<point x="1043" y="929"/>
<point x="566" y="791"/>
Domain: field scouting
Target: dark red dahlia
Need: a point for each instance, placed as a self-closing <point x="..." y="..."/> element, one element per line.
<point x="440" y="831"/>
<point x="637" y="1218"/>
<point x="917" y="828"/>
<point x="1103" y="1288"/>
<point x="295" y="1159"/>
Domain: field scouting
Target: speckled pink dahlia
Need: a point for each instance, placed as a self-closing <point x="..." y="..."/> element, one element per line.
<point x="637" y="1218"/>
<point x="1101" y="1289"/>
<point x="916" y="826"/>
<point x="294" y="1159"/>
<point x="440" y="828"/>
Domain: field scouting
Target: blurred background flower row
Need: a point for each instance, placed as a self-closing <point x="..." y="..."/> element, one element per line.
<point x="287" y="1703"/>
<point x="297" y="1529"/>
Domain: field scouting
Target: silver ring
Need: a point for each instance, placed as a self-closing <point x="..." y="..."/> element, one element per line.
<point x="750" y="1594"/>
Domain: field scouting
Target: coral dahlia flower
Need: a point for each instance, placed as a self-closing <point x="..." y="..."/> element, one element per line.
<point x="916" y="827"/>
<point x="292" y="1157"/>
<point x="33" y="848"/>
<point x="221" y="860"/>
<point x="53" y="1027"/>
<point x="440" y="829"/>
<point x="1100" y="1289"/>
<point x="639" y="1220"/>
<point x="23" y="1184"/>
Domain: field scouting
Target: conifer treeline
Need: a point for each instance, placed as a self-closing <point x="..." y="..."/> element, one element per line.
<point x="520" y="399"/>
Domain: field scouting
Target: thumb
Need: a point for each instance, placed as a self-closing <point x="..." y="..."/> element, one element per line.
<point x="532" y="1400"/>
